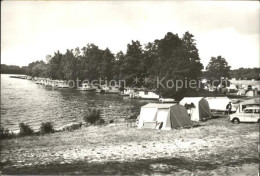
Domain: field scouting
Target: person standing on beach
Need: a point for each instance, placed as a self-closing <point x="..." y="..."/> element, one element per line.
<point x="229" y="108"/>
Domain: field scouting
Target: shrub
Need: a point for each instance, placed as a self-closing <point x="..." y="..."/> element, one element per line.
<point x="46" y="127"/>
<point x="5" y="133"/>
<point x="92" y="116"/>
<point x="101" y="121"/>
<point x="133" y="116"/>
<point x="25" y="129"/>
<point x="111" y="121"/>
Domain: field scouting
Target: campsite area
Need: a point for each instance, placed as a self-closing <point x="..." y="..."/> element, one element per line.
<point x="213" y="147"/>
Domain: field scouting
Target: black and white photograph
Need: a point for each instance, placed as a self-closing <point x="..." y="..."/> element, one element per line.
<point x="130" y="87"/>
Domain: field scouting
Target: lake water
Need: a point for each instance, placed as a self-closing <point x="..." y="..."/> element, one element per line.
<point x="24" y="101"/>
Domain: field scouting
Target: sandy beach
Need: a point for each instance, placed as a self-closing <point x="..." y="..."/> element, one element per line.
<point x="214" y="147"/>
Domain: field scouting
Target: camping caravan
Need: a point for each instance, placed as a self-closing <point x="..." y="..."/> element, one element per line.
<point x="163" y="116"/>
<point x="198" y="108"/>
<point x="219" y="103"/>
<point x="251" y="93"/>
<point x="218" y="106"/>
<point x="248" y="103"/>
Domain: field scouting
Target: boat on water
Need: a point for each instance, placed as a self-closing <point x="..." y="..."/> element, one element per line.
<point x="47" y="82"/>
<point x="167" y="100"/>
<point x="51" y="83"/>
<point x="29" y="77"/>
<point x="99" y="91"/>
<point x="87" y="87"/>
<point x="127" y="91"/>
<point x="98" y="88"/>
<point x="18" y="76"/>
<point x="37" y="80"/>
<point x="54" y="83"/>
<point x="40" y="81"/>
<point x="63" y="84"/>
<point x="110" y="89"/>
<point x="144" y="94"/>
<point x="123" y="94"/>
<point x="104" y="88"/>
<point x="114" y="90"/>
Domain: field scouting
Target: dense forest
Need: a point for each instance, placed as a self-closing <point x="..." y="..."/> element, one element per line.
<point x="171" y="58"/>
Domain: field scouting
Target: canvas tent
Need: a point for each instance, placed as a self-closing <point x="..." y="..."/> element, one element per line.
<point x="200" y="109"/>
<point x="171" y="116"/>
<point x="219" y="103"/>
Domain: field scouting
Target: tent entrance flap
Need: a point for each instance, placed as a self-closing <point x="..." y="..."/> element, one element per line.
<point x="163" y="116"/>
<point x="147" y="115"/>
<point x="179" y="117"/>
<point x="204" y="110"/>
<point x="174" y="125"/>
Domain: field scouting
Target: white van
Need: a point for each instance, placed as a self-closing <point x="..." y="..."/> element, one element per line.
<point x="249" y="114"/>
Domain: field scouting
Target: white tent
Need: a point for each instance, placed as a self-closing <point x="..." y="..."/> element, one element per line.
<point x="170" y="116"/>
<point x="219" y="103"/>
<point x="200" y="109"/>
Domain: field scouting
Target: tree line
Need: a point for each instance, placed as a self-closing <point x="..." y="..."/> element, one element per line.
<point x="245" y="73"/>
<point x="172" y="57"/>
<point x="12" y="69"/>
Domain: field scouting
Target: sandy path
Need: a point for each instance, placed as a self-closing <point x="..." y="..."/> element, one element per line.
<point x="194" y="149"/>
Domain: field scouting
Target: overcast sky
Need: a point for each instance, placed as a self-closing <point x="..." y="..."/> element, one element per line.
<point x="32" y="30"/>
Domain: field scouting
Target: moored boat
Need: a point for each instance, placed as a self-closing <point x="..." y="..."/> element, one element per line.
<point x="167" y="100"/>
<point x="110" y="89"/>
<point x="63" y="84"/>
<point x="144" y="94"/>
<point x="126" y="91"/>
<point x="19" y="76"/>
<point x="86" y="87"/>
<point x="29" y="78"/>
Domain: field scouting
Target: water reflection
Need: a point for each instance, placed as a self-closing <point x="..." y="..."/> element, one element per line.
<point x="25" y="101"/>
